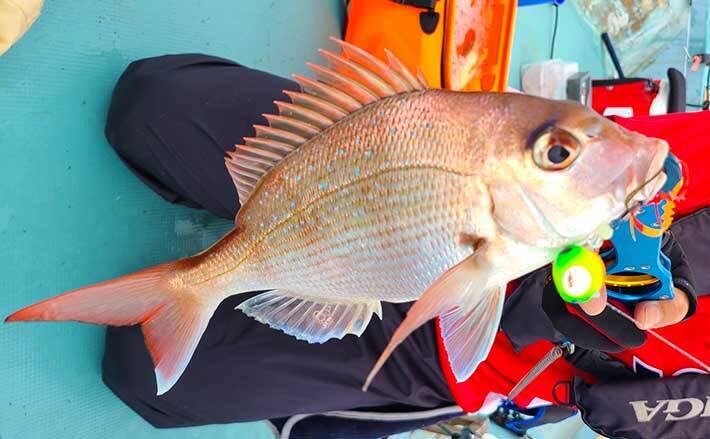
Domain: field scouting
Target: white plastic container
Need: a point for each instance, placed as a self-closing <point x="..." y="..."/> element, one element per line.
<point x="548" y="79"/>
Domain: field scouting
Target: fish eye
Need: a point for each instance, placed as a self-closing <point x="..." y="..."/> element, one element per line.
<point x="555" y="149"/>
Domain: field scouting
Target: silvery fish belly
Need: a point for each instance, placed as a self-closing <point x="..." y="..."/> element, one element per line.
<point x="370" y="187"/>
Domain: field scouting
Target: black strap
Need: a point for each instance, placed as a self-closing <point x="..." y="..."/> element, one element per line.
<point x="676" y="95"/>
<point x="425" y="4"/>
<point x="427" y="19"/>
<point x="599" y="364"/>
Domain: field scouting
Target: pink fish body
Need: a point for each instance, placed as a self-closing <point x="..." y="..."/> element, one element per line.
<point x="369" y="187"/>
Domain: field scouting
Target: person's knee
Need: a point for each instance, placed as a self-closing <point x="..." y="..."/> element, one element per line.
<point x="173" y="118"/>
<point x="150" y="100"/>
<point x="144" y="90"/>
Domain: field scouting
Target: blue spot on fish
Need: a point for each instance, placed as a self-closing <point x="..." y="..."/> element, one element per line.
<point x="368" y="153"/>
<point x="413" y="133"/>
<point x="310" y="167"/>
<point x="361" y="211"/>
<point x="370" y="197"/>
<point x="357" y="140"/>
<point x="274" y="218"/>
<point x="323" y="185"/>
<point x="293" y="204"/>
<point x="356" y="172"/>
<point x="329" y="168"/>
<point x="298" y="178"/>
<point x="341" y="151"/>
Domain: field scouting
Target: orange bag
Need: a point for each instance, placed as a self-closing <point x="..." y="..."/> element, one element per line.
<point x="457" y="44"/>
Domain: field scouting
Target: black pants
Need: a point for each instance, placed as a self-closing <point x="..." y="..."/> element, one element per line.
<point x="171" y="120"/>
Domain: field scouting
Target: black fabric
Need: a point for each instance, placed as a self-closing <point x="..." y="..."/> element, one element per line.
<point x="692" y="233"/>
<point x="683" y="277"/>
<point x="330" y="427"/>
<point x="171" y="119"/>
<point x="245" y="371"/>
<point x="535" y="311"/>
<point x="670" y="408"/>
<point x="599" y="364"/>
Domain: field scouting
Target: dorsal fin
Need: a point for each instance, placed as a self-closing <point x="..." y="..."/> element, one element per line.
<point x="355" y="78"/>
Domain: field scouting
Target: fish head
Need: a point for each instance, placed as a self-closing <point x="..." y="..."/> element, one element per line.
<point x="569" y="173"/>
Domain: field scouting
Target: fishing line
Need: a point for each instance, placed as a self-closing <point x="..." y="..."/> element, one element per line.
<point x="660" y="337"/>
<point x="633" y="193"/>
<point x="687" y="38"/>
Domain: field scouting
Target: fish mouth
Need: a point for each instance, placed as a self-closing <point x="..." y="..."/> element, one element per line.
<point x="648" y="189"/>
<point x="650" y="186"/>
<point x="653" y="181"/>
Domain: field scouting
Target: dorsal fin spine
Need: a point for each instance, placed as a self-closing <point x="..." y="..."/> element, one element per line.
<point x="397" y="65"/>
<point x="368" y="61"/>
<point x="358" y="91"/>
<point x="302" y="113"/>
<point x="326" y="108"/>
<point x="260" y="142"/>
<point x="346" y="102"/>
<point x="289" y="123"/>
<point x="356" y="72"/>
<point x="285" y="136"/>
<point x="355" y="79"/>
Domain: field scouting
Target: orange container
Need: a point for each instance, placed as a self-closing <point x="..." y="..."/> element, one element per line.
<point x="375" y="25"/>
<point x="469" y="48"/>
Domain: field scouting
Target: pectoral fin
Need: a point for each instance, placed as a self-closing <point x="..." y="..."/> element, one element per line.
<point x="468" y="331"/>
<point x="470" y="313"/>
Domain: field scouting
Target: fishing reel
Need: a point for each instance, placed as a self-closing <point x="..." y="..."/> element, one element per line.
<point x="633" y="267"/>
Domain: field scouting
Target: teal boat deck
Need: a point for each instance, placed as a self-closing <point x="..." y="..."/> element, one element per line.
<point x="71" y="213"/>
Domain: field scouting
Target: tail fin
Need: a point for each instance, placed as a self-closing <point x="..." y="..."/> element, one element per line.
<point x="172" y="319"/>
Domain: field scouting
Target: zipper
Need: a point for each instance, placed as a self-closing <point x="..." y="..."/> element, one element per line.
<point x="550" y="357"/>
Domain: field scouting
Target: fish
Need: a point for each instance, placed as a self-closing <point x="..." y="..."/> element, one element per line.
<point x="370" y="186"/>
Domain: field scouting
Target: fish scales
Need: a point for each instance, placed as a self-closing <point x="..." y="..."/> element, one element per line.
<point x="405" y="154"/>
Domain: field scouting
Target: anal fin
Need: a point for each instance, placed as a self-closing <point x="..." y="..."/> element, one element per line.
<point x="309" y="319"/>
